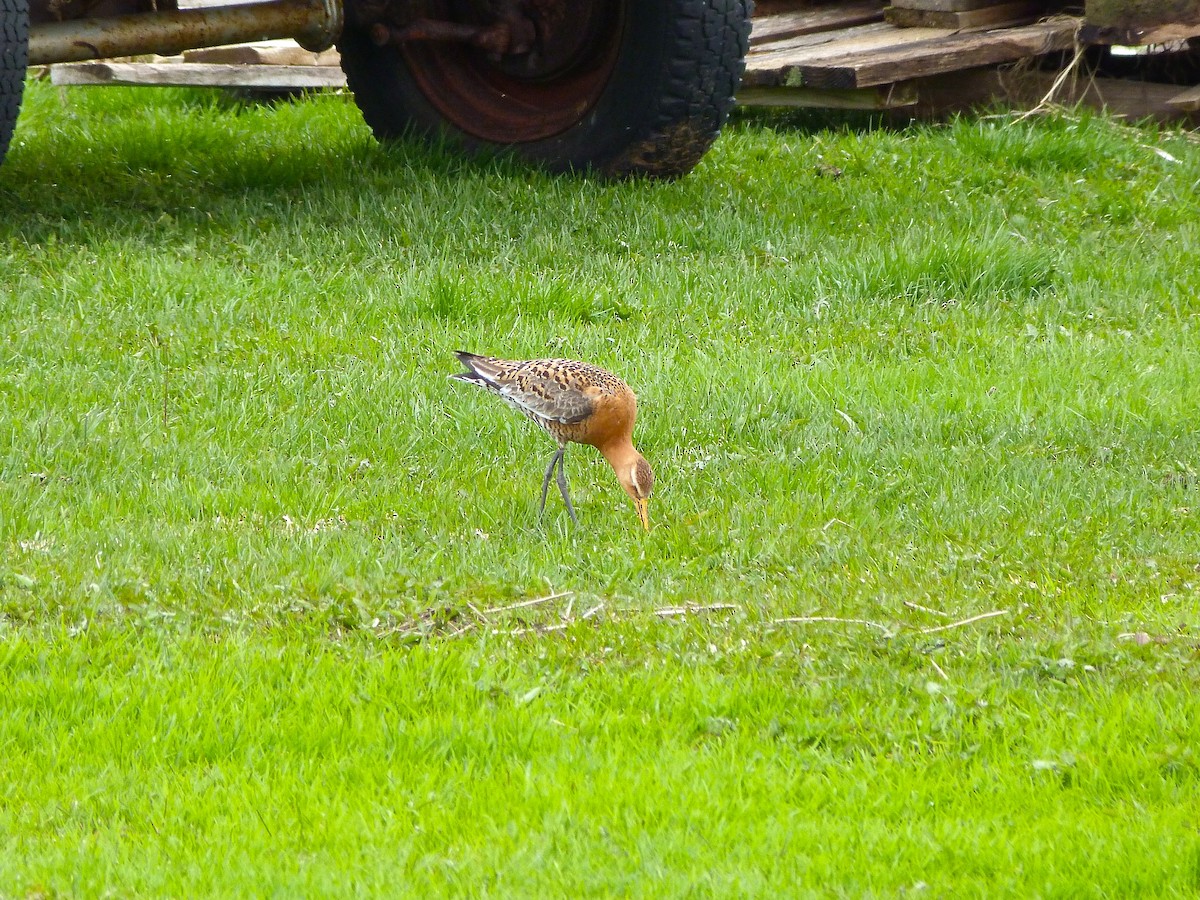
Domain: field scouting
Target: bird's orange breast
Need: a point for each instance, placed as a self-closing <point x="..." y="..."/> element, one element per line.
<point x="611" y="421"/>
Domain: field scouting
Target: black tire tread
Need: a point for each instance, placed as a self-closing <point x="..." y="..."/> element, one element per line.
<point x="703" y="70"/>
<point x="14" y="56"/>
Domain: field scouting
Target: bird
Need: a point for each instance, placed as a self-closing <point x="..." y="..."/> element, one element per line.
<point x="574" y="402"/>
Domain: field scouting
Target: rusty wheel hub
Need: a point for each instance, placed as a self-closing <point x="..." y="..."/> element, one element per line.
<point x="504" y="71"/>
<point x="564" y="34"/>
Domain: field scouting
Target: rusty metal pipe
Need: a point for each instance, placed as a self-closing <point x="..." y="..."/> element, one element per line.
<point x="495" y="38"/>
<point x="314" y="24"/>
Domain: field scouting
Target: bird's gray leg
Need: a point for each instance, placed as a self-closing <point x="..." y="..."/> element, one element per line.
<point x="562" y="483"/>
<point x="554" y="460"/>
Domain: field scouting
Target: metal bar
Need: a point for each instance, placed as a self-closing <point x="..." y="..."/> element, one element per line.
<point x="499" y="38"/>
<point x="314" y="24"/>
<point x="494" y="38"/>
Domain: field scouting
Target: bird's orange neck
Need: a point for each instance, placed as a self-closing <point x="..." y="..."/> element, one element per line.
<point x="621" y="455"/>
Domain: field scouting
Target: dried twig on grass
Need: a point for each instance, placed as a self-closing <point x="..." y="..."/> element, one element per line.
<point x="926" y="609"/>
<point x="558" y="626"/>
<point x="453" y="623"/>
<point x="961" y="622"/>
<point x="425" y="626"/>
<point x="536" y="629"/>
<point x="1142" y="638"/>
<point x="668" y="611"/>
<point x="804" y="620"/>
<point x="1070" y="72"/>
<point x="888" y="629"/>
<point x="525" y="603"/>
<point x="461" y="631"/>
<point x="1015" y="81"/>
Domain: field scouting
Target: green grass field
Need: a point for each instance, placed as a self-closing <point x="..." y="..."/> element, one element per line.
<point x="256" y="549"/>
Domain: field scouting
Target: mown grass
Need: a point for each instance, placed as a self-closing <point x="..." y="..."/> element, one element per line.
<point x="880" y="372"/>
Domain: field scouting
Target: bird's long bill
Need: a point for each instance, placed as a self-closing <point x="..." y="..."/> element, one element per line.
<point x="643" y="510"/>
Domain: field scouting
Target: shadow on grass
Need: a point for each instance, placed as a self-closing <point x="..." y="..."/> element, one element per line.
<point x="131" y="158"/>
<point x="812" y="121"/>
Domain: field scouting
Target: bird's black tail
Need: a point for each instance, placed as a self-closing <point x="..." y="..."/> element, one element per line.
<point x="474" y="363"/>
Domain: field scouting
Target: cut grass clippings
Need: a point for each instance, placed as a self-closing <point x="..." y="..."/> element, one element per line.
<point x="918" y="613"/>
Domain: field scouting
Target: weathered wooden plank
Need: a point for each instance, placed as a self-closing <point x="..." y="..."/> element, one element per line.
<point x="1126" y="98"/>
<point x="945" y="5"/>
<point x="1017" y="12"/>
<point x="262" y="53"/>
<point x="960" y="91"/>
<point x="820" y="38"/>
<point x="892" y="96"/>
<point x="773" y="7"/>
<point x="281" y="78"/>
<point x="1140" y="13"/>
<point x="772" y="64"/>
<point x="1121" y="98"/>
<point x="1186" y="101"/>
<point x="931" y="57"/>
<point x="817" y="18"/>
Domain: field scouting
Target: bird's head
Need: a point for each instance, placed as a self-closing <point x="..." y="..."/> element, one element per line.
<point x="637" y="478"/>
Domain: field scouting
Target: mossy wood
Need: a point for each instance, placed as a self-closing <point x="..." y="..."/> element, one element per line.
<point x="1141" y="13"/>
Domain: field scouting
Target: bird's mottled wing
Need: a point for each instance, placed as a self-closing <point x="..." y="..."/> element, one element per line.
<point x="549" y="391"/>
<point x="542" y="392"/>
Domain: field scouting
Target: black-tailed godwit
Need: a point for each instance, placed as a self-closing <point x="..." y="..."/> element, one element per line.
<point x="575" y="402"/>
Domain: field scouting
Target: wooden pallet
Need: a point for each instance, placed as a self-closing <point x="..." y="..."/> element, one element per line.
<point x="855" y="55"/>
<point x="854" y="58"/>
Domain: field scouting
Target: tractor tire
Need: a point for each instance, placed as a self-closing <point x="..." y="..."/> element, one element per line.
<point x="14" y="55"/>
<point x="617" y="87"/>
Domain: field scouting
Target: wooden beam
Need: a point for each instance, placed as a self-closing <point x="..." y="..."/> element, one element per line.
<point x="1186" y="101"/>
<point x="817" y="18"/>
<point x="263" y="53"/>
<point x="1011" y="13"/>
<point x="931" y="57"/>
<point x="775" y="64"/>
<point x="1141" y="13"/>
<point x="940" y="95"/>
<point x="266" y="78"/>
<point x="774" y="7"/>
<point x="945" y="5"/>
<point x="821" y="39"/>
<point x="892" y="96"/>
<point x="1122" y="98"/>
